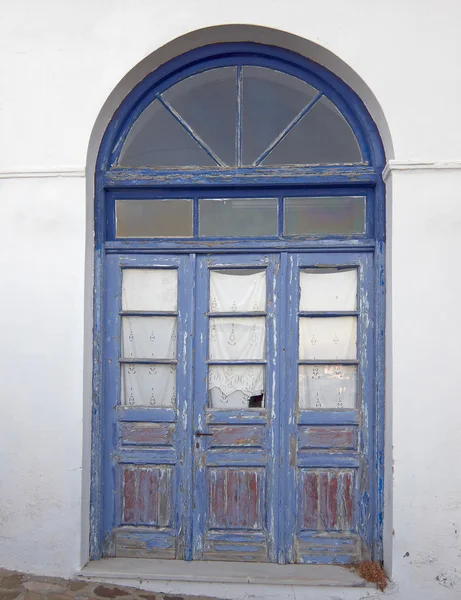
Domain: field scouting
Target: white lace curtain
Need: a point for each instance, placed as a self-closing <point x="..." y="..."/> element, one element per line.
<point x="145" y="337"/>
<point x="239" y="338"/>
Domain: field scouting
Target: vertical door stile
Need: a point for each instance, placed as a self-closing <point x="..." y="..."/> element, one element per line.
<point x="289" y="415"/>
<point x="184" y="480"/>
<point x="199" y="406"/>
<point x="111" y="371"/>
<point x="367" y="486"/>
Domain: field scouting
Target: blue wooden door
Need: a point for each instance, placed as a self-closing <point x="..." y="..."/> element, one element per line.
<point x="147" y="376"/>
<point x="239" y="404"/>
<point x="236" y="408"/>
<point x="328" y="408"/>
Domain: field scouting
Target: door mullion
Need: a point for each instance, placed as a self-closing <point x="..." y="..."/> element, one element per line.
<point x="185" y="407"/>
<point x="288" y="365"/>
<point x="199" y="400"/>
<point x="281" y="369"/>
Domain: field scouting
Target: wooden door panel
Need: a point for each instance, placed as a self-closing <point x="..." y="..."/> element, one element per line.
<point x="326" y="500"/>
<point x="227" y="436"/>
<point x="328" y="549"/>
<point x="147" y="434"/>
<point x="335" y="438"/>
<point x="147" y="495"/>
<point x="236" y="498"/>
<point x="147" y="506"/>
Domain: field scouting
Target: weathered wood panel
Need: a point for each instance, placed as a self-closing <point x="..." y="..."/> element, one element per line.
<point x="138" y="543"/>
<point x="237" y="435"/>
<point x="326" y="502"/>
<point x="235" y="498"/>
<point x="340" y="438"/>
<point x="147" y="434"/>
<point x="147" y="495"/>
<point x="331" y="549"/>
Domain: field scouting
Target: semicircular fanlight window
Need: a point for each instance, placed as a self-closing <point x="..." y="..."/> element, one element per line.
<point x="240" y="116"/>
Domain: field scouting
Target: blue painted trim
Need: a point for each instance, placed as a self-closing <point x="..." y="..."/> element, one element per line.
<point x="145" y="456"/>
<point x="157" y="415"/>
<point x="326" y="176"/>
<point x="328" y="417"/>
<point x="285" y="553"/>
<point x="239" y="117"/>
<point x="247" y="246"/>
<point x="321" y="460"/>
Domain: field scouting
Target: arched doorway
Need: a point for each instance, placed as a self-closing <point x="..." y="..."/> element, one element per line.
<point x="239" y="229"/>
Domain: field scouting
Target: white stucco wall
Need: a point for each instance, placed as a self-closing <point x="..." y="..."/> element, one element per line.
<point x="60" y="62"/>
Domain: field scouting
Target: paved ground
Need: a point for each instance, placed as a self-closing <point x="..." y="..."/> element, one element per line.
<point x="18" y="586"/>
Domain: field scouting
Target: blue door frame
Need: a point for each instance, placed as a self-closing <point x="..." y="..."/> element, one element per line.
<point x="112" y="255"/>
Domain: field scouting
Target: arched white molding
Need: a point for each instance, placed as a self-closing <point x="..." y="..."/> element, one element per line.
<point x="237" y="33"/>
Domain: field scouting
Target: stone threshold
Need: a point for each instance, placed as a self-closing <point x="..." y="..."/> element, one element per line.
<point x="146" y="569"/>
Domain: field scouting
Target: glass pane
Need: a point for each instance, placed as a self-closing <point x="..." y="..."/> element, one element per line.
<point x="149" y="385"/>
<point x="328" y="289"/>
<point x="328" y="215"/>
<point x="327" y="386"/>
<point x="149" y="337"/>
<point x="237" y="339"/>
<point x="237" y="290"/>
<point x="328" y="338"/>
<point x="271" y="100"/>
<point x="158" y="140"/>
<point x="153" y="218"/>
<point x="236" y="386"/>
<point x="242" y="217"/>
<point x="150" y="289"/>
<point x="322" y="136"/>
<point x="208" y="104"/>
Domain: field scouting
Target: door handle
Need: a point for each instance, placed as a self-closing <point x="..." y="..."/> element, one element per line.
<point x="201" y="433"/>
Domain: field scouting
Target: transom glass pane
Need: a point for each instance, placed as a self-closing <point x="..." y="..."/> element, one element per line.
<point x="237" y="290"/>
<point x="238" y="217"/>
<point x="327" y="386"/>
<point x="149" y="385"/>
<point x="322" y="136"/>
<point x="208" y="104"/>
<point x="150" y="289"/>
<point x="149" y="337"/>
<point x="237" y="338"/>
<point x="328" y="290"/>
<point x="153" y="218"/>
<point x="324" y="215"/>
<point x="271" y="100"/>
<point x="328" y="338"/>
<point x="157" y="139"/>
<point x="236" y="386"/>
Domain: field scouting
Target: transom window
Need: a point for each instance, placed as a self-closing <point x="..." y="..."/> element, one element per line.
<point x="238" y="217"/>
<point x="240" y="116"/>
<point x="238" y="325"/>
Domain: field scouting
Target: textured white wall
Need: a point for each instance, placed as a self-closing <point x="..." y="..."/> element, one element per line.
<point x="61" y="61"/>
